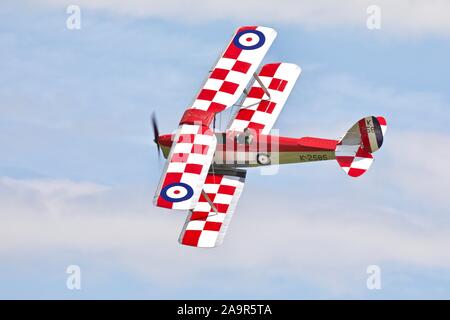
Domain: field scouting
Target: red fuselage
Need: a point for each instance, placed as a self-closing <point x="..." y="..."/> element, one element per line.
<point x="240" y="150"/>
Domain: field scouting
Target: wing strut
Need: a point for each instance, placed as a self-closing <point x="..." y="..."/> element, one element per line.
<point x="258" y="113"/>
<point x="213" y="207"/>
<point x="261" y="84"/>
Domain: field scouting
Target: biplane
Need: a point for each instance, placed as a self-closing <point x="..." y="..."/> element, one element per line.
<point x="204" y="173"/>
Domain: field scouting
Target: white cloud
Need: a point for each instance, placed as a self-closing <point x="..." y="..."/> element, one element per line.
<point x="42" y="196"/>
<point x="402" y="16"/>
<point x="64" y="189"/>
<point x="346" y="98"/>
<point x="267" y="238"/>
<point x="420" y="165"/>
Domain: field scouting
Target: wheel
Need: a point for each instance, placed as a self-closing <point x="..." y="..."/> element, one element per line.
<point x="263" y="159"/>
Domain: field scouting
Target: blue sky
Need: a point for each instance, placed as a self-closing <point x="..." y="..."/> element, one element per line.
<point x="78" y="169"/>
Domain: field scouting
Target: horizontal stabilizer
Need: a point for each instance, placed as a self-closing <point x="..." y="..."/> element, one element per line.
<point x="354" y="150"/>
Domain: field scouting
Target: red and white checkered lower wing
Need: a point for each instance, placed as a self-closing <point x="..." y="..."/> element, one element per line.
<point x="186" y="167"/>
<point x="234" y="69"/>
<point x="204" y="227"/>
<point x="258" y="112"/>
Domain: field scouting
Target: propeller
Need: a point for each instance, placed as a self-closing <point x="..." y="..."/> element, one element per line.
<point x="156" y="133"/>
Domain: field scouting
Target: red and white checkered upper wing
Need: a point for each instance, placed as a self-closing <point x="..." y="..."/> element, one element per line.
<point x="186" y="167"/>
<point x="258" y="111"/>
<point x="234" y="68"/>
<point x="192" y="151"/>
<point x="204" y="227"/>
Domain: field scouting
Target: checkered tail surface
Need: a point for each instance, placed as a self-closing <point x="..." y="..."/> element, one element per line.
<point x="354" y="151"/>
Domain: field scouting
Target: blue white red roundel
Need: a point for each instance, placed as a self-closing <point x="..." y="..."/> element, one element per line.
<point x="249" y="39"/>
<point x="177" y="192"/>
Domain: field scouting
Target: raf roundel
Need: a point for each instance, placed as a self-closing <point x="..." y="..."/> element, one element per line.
<point x="249" y="39"/>
<point x="177" y="192"/>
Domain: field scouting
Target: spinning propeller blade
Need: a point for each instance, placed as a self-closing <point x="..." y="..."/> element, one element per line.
<point x="156" y="133"/>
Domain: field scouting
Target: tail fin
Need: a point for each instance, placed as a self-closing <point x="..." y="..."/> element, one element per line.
<point x="354" y="150"/>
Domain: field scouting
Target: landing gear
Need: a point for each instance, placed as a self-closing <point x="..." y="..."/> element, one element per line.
<point x="263" y="159"/>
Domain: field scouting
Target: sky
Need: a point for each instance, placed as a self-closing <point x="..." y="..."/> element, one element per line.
<point x="78" y="168"/>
